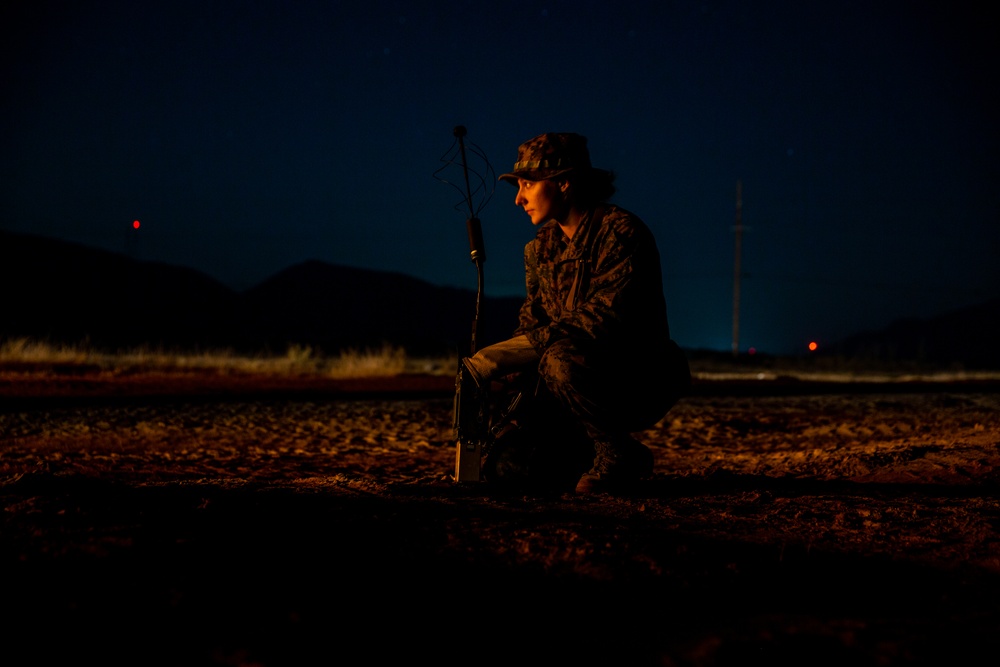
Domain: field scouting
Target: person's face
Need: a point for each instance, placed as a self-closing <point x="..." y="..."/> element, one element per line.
<point x="541" y="200"/>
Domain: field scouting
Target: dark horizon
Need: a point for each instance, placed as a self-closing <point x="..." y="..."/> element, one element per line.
<point x="112" y="300"/>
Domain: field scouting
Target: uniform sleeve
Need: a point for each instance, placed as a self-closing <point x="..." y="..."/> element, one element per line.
<point x="612" y="292"/>
<point x="532" y="315"/>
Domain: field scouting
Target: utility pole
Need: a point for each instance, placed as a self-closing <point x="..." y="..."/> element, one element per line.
<point x="736" y="268"/>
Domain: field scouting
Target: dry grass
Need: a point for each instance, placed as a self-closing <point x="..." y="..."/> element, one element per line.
<point x="389" y="360"/>
<point x="297" y="360"/>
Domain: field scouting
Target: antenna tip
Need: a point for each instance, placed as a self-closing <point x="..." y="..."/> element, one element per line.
<point x="459" y="131"/>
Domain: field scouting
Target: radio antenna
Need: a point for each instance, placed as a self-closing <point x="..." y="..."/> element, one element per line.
<point x="473" y="225"/>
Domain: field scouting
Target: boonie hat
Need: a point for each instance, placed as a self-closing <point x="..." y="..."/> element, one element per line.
<point x="549" y="155"/>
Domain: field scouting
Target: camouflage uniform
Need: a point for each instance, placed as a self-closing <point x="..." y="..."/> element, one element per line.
<point x="592" y="356"/>
<point x="596" y="314"/>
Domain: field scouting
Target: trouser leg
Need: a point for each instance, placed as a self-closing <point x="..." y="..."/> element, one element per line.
<point x="610" y="397"/>
<point x="610" y="402"/>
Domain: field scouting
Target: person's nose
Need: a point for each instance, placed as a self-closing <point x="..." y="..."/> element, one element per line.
<point x="519" y="198"/>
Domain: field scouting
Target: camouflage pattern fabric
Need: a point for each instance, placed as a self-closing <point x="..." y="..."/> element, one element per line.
<point x="596" y="314"/>
<point x="553" y="151"/>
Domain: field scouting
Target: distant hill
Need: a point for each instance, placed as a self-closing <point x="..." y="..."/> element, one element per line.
<point x="68" y="293"/>
<point x="335" y="306"/>
<point x="966" y="337"/>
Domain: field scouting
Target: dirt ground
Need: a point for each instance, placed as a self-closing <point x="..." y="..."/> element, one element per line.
<point x="236" y="520"/>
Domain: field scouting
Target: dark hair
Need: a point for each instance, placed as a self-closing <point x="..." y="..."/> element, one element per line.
<point x="592" y="186"/>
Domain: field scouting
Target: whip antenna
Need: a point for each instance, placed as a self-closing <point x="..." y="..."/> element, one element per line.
<point x="473" y="225"/>
<point x="472" y="403"/>
<point x="460" y="133"/>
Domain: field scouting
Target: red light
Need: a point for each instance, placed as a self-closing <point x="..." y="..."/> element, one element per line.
<point x="135" y="224"/>
<point x="813" y="346"/>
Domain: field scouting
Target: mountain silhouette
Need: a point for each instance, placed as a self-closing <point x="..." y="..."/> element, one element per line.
<point x="66" y="293"/>
<point x="965" y="337"/>
<point x="317" y="303"/>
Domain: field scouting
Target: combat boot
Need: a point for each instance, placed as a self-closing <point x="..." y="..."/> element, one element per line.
<point x="619" y="464"/>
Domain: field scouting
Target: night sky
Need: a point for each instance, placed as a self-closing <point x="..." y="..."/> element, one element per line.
<point x="247" y="137"/>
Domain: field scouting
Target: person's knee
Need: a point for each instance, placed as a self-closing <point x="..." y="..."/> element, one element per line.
<point x="562" y="363"/>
